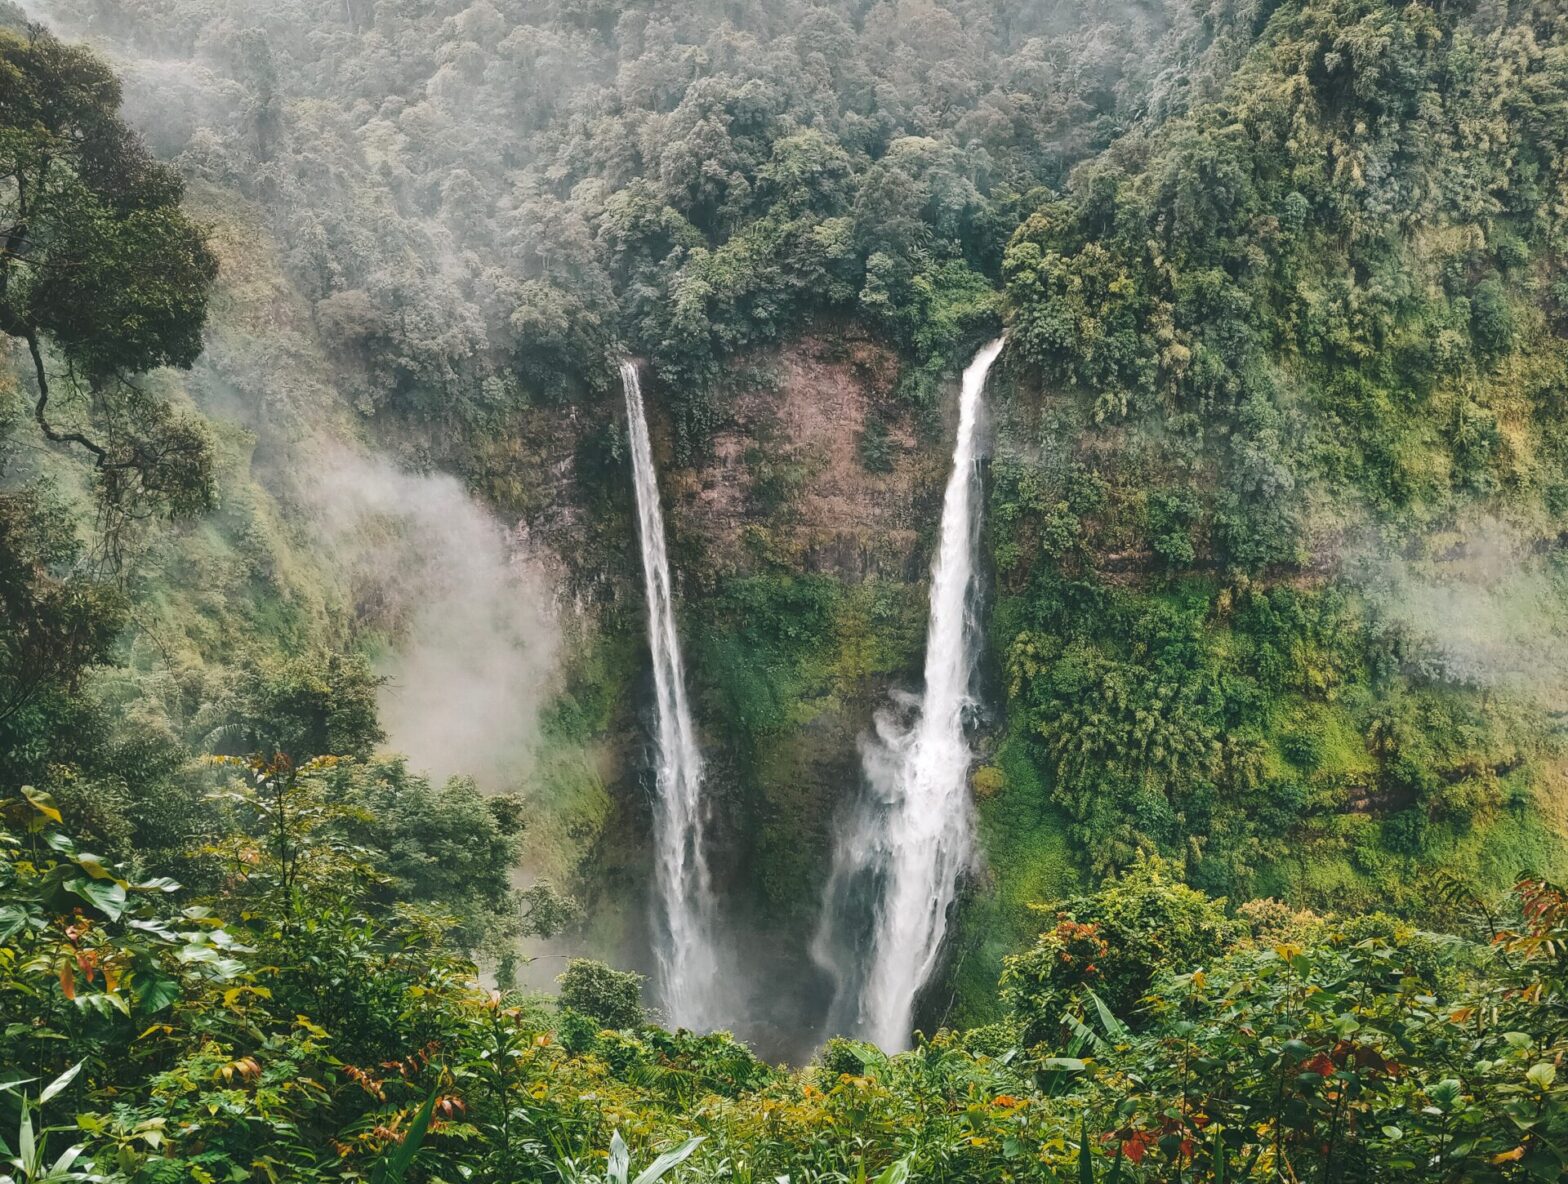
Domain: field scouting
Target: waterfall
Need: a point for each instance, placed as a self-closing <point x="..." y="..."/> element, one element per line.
<point x="688" y="968"/>
<point x="896" y="867"/>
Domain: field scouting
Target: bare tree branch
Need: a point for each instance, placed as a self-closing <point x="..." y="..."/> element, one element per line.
<point x="52" y="433"/>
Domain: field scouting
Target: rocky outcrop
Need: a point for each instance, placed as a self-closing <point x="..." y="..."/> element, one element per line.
<point x="787" y="483"/>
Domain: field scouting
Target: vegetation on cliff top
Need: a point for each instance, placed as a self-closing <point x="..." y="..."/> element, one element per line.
<point x="1272" y="535"/>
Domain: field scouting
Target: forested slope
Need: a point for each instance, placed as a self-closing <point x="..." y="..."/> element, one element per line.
<point x="475" y="208"/>
<point x="1276" y="508"/>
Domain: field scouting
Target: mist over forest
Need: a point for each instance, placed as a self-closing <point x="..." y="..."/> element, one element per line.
<point x="810" y="591"/>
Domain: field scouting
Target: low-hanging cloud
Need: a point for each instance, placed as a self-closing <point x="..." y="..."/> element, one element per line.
<point x="467" y="620"/>
<point x="1488" y="612"/>
<point x="473" y="637"/>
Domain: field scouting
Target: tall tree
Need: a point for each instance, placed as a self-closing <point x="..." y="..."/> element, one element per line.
<point x="101" y="269"/>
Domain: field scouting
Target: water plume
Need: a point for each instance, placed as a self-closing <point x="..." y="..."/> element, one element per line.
<point x="1485" y="611"/>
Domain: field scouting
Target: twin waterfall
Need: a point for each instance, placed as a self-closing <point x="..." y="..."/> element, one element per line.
<point x="688" y="979"/>
<point x="898" y="861"/>
<point x="896" y="868"/>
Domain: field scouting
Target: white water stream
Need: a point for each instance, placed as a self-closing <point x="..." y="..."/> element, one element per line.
<point x="911" y="837"/>
<point x="688" y="983"/>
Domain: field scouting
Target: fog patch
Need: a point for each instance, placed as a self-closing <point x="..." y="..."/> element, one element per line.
<point x="470" y="622"/>
<point x="1484" y="610"/>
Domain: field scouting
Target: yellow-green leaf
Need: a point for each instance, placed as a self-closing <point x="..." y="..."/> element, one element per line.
<point x="42" y="802"/>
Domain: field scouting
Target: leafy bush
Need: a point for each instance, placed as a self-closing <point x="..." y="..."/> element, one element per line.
<point x="1114" y="942"/>
<point x="592" y="989"/>
<point x="339" y="1042"/>
<point x="876" y="447"/>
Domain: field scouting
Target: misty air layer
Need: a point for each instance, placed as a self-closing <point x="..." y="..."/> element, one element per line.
<point x="805" y="591"/>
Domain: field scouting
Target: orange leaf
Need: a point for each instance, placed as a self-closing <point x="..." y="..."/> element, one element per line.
<point x="1136" y="1144"/>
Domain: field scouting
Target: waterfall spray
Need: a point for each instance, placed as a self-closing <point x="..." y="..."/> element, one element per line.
<point x="688" y="970"/>
<point x="910" y="838"/>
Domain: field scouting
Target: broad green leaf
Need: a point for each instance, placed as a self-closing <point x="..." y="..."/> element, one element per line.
<point x="395" y="1169"/>
<point x="896" y="1172"/>
<point x="620" y="1159"/>
<point x="192" y="952"/>
<point x="107" y="896"/>
<point x="94" y="866"/>
<point x="43" y="803"/>
<point x="67" y="1158"/>
<point x="1082" y="1035"/>
<point x="158" y="929"/>
<point x="12" y="918"/>
<point x="1542" y="1075"/>
<point x="1114" y="1028"/>
<point x="24" y="1136"/>
<point x="672" y="1159"/>
<point x="155" y="992"/>
<point x="105" y="1003"/>
<point x="59" y="1083"/>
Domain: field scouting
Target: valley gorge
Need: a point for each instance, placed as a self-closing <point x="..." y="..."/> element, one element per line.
<point x="807" y="591"/>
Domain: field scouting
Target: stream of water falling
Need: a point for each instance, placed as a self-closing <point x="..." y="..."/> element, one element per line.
<point x="896" y="867"/>
<point x="688" y="967"/>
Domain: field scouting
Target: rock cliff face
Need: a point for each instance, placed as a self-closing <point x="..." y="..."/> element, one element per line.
<point x="816" y="559"/>
<point x="788" y="483"/>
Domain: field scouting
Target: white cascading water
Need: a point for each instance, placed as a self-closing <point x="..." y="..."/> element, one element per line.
<point x="688" y="979"/>
<point x="911" y="837"/>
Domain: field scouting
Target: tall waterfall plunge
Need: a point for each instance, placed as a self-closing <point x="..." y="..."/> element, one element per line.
<point x="910" y="837"/>
<point x="688" y="967"/>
